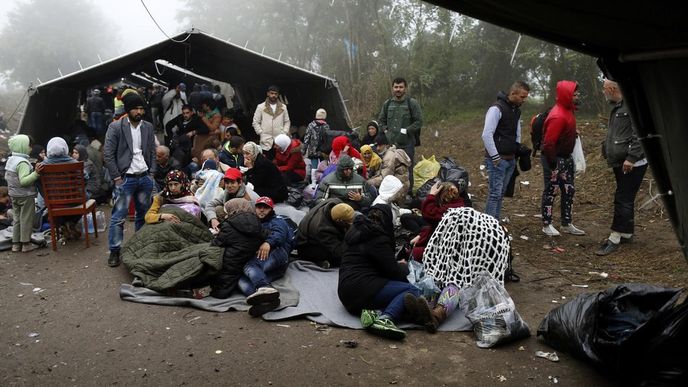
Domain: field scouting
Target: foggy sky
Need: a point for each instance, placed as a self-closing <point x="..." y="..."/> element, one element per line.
<point x="136" y="29"/>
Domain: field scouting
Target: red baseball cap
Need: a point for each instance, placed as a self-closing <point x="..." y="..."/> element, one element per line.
<point x="233" y="174"/>
<point x="264" y="200"/>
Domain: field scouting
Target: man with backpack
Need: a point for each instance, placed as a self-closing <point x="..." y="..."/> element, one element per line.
<point x="401" y="120"/>
<point x="502" y="136"/>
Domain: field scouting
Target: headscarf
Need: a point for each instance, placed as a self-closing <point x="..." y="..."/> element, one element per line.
<point x="57" y="147"/>
<point x="238" y="206"/>
<point x="83" y="153"/>
<point x="252" y="149"/>
<point x="179" y="177"/>
<point x="375" y="161"/>
<point x="283" y="141"/>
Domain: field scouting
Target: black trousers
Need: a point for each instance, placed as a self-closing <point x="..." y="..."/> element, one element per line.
<point x="627" y="186"/>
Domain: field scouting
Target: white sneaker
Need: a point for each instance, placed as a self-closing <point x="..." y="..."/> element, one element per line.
<point x="263" y="295"/>
<point x="573" y="230"/>
<point x="550" y="230"/>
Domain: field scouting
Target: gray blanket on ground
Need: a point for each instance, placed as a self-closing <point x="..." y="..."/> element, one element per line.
<point x="306" y="290"/>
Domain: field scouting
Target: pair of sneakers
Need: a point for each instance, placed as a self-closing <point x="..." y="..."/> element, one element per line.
<point x="263" y="300"/>
<point x="550" y="230"/>
<point x="381" y="325"/>
<point x="23" y="247"/>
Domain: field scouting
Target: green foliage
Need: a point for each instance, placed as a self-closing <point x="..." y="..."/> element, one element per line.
<point x="36" y="40"/>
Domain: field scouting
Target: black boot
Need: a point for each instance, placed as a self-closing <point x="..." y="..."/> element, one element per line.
<point x="114" y="259"/>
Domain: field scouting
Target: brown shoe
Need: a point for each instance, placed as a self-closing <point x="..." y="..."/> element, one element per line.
<point x="26" y="247"/>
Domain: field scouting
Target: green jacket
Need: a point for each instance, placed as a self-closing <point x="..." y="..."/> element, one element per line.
<point x="396" y="115"/>
<point x="165" y="255"/>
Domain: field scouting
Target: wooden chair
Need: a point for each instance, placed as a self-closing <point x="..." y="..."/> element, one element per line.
<point x="64" y="191"/>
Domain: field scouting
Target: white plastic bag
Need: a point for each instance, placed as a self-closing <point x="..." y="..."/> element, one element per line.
<point x="492" y="312"/>
<point x="578" y="156"/>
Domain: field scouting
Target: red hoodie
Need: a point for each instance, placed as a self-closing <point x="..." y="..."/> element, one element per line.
<point x="560" y="125"/>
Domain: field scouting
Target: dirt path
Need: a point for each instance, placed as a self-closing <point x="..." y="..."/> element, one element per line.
<point x="76" y="331"/>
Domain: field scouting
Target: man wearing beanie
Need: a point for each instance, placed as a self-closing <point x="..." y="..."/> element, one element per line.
<point x="320" y="237"/>
<point x="346" y="185"/>
<point x="129" y="156"/>
<point x="270" y="120"/>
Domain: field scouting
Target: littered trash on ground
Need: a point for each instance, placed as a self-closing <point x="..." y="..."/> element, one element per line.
<point x="551" y="356"/>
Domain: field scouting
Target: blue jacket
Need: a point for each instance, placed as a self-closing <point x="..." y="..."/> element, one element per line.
<point x="279" y="234"/>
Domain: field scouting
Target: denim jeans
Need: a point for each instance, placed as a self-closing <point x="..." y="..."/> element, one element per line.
<point x="564" y="180"/>
<point x="499" y="176"/>
<point x="627" y="186"/>
<point x="258" y="273"/>
<point x="391" y="298"/>
<point x="138" y="188"/>
<point x="96" y="120"/>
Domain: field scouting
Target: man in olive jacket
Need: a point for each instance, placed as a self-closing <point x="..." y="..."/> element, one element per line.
<point x="626" y="157"/>
<point x="401" y="120"/>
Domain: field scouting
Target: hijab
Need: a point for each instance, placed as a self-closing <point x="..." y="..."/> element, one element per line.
<point x="179" y="177"/>
<point x="238" y="206"/>
<point x="252" y="149"/>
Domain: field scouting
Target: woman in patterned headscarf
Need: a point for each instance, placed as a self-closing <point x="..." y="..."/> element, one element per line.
<point x="177" y="192"/>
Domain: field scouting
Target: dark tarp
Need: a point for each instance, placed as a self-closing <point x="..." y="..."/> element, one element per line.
<point x="643" y="45"/>
<point x="52" y="106"/>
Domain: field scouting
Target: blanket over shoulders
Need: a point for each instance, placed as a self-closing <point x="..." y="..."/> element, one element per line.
<point x="165" y="255"/>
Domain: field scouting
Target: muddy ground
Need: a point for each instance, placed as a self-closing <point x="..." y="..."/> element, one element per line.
<point x="75" y="330"/>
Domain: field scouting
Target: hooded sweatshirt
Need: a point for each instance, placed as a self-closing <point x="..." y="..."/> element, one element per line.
<point x="19" y="172"/>
<point x="560" y="125"/>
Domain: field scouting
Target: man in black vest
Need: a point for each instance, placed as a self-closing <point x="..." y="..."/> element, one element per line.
<point x="501" y="136"/>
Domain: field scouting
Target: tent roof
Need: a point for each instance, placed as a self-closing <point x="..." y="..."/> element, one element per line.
<point x="249" y="72"/>
<point x="598" y="28"/>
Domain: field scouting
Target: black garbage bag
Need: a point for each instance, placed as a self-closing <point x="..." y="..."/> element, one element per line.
<point x="451" y="171"/>
<point x="666" y="354"/>
<point x="611" y="328"/>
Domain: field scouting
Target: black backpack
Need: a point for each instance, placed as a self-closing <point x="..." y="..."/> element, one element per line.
<point x="537" y="126"/>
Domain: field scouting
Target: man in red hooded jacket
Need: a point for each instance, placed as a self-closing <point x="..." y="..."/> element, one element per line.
<point x="557" y="163"/>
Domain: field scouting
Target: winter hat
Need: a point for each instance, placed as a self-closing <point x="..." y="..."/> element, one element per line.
<point x="321" y="114"/>
<point x="132" y="101"/>
<point x="237" y="206"/>
<point x="282" y="142"/>
<point x="342" y="213"/>
<point x="345" y="162"/>
<point x="182" y="87"/>
<point x="233" y="174"/>
<point x="374" y="124"/>
<point x="381" y="139"/>
<point x="266" y="201"/>
<point x="209" y="164"/>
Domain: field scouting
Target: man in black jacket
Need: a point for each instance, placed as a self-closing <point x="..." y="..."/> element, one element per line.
<point x="625" y="155"/>
<point x="320" y="237"/>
